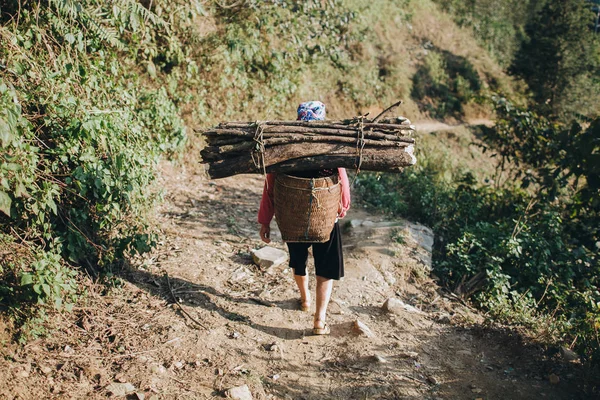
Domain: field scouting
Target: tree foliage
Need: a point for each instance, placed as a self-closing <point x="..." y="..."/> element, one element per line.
<point x="560" y="60"/>
<point x="549" y="44"/>
<point x="528" y="251"/>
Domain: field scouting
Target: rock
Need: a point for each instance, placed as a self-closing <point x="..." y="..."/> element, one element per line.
<point x="241" y="275"/>
<point x="178" y="365"/>
<point x="271" y="347"/>
<point x="120" y="389"/>
<point x="158" y="369"/>
<point x="269" y="257"/>
<point x="397" y="306"/>
<point x="240" y="393"/>
<point x="431" y="379"/>
<point x="379" y="359"/>
<point x="140" y="395"/>
<point x="568" y="354"/>
<point x="362" y="329"/>
<point x="554" y="379"/>
<point x="46" y="370"/>
<point x="476" y="390"/>
<point x="355" y="223"/>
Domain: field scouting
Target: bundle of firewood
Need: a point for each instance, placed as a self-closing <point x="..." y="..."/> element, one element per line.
<point x="268" y="146"/>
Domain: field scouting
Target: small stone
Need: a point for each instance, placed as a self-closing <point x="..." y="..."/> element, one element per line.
<point x="272" y="347"/>
<point x="158" y="369"/>
<point x="240" y="393"/>
<point x="120" y="377"/>
<point x="275" y="377"/>
<point x="234" y="335"/>
<point x="242" y="275"/>
<point x="140" y="395"/>
<point x="431" y="379"/>
<point x="355" y="223"/>
<point x="380" y="359"/>
<point x="269" y="257"/>
<point x="568" y="354"/>
<point x="476" y="390"/>
<point x="120" y="389"/>
<point x="362" y="329"/>
<point x="46" y="370"/>
<point x="397" y="306"/>
<point x="178" y="365"/>
<point x="68" y="350"/>
<point x="554" y="379"/>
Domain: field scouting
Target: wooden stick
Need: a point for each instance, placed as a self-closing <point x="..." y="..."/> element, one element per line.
<point x="381" y="114"/>
<point x="373" y="159"/>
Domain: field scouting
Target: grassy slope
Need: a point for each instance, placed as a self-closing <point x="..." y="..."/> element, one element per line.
<point x="383" y="65"/>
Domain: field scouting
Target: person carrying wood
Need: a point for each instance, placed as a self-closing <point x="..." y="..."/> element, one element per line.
<point x="328" y="257"/>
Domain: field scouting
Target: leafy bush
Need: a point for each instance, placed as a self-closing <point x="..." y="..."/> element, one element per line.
<point x="81" y="130"/>
<point x="525" y="255"/>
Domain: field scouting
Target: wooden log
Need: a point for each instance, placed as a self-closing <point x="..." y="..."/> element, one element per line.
<point x="215" y="153"/>
<point x="387" y="160"/>
<point x="319" y="124"/>
<point x="368" y="134"/>
<point x="212" y="153"/>
<point x="377" y="159"/>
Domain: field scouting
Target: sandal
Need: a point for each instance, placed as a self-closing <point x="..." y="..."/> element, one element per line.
<point x="304" y="306"/>
<point x="322" y="331"/>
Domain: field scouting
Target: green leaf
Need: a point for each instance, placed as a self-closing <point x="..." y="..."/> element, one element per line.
<point x="21" y="191"/>
<point x="70" y="38"/>
<point x="26" y="279"/>
<point x="12" y="167"/>
<point x="37" y="288"/>
<point x="5" y="203"/>
<point x="6" y="136"/>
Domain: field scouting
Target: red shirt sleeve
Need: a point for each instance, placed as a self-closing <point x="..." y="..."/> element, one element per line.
<point x="345" y="203"/>
<point x="267" y="207"/>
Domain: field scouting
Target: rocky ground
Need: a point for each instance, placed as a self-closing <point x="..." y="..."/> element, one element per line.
<point x="197" y="319"/>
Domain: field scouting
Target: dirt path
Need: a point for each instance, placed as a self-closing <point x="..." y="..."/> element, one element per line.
<point x="241" y="326"/>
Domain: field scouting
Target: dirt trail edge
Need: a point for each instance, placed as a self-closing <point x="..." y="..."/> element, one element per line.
<point x="197" y="319"/>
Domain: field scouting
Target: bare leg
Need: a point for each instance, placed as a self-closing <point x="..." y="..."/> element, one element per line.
<point x="324" y="287"/>
<point x="302" y="282"/>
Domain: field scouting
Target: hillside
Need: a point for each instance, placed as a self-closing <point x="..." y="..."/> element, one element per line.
<point x="120" y="263"/>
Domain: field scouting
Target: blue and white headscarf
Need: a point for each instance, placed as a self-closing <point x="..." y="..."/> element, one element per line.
<point x="311" y="111"/>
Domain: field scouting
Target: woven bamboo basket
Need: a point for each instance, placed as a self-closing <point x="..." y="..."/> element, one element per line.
<point x="306" y="209"/>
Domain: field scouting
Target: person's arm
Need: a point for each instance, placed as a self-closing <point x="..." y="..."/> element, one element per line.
<point x="345" y="201"/>
<point x="267" y="208"/>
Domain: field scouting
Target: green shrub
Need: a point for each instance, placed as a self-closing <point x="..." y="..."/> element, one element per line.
<point x="524" y="255"/>
<point x="81" y="130"/>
